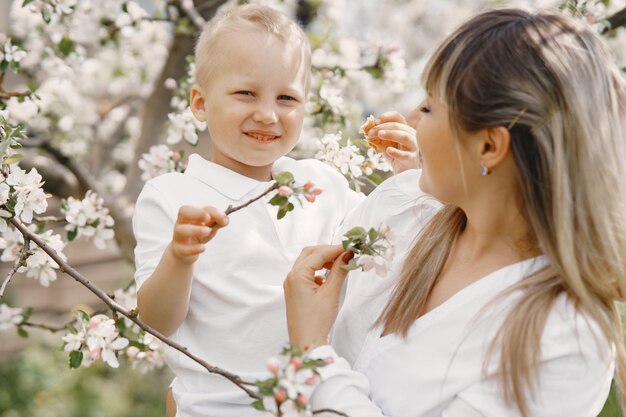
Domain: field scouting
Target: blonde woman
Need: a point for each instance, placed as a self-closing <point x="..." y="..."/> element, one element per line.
<point x="502" y="298"/>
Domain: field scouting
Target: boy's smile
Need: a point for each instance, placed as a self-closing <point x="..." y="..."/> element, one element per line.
<point x="254" y="101"/>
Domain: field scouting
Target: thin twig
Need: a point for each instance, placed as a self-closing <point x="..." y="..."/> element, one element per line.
<point x="49" y="328"/>
<point x="329" y="410"/>
<point x="232" y="209"/>
<point x="25" y="253"/>
<point x="130" y="314"/>
<point x="46" y="219"/>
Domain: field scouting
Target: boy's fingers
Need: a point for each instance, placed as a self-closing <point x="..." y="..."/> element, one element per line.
<point x="215" y="216"/>
<point x="186" y="231"/>
<point x="186" y="250"/>
<point x="191" y="214"/>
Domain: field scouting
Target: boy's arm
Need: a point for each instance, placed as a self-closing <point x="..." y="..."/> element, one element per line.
<point x="163" y="298"/>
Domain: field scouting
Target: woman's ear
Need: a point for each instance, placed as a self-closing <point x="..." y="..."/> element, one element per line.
<point x="495" y="146"/>
<point x="196" y="103"/>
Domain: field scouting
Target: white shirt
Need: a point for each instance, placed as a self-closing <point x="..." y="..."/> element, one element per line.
<point x="437" y="369"/>
<point x="236" y="318"/>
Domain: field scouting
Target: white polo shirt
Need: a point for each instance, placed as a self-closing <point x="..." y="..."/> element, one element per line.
<point x="236" y="318"/>
<point x="436" y="371"/>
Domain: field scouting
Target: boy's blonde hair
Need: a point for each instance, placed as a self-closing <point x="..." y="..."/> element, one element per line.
<point x="247" y="18"/>
<point x="551" y="81"/>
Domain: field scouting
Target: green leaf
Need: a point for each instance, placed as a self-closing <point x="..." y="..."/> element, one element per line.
<point x="64" y="206"/>
<point x="290" y="207"/>
<point x="281" y="213"/>
<point x="26" y="2"/>
<point x="71" y="234"/>
<point x="351" y="266"/>
<point x="283" y="178"/>
<point x="372" y="234"/>
<point x="258" y="405"/>
<point x="45" y="15"/>
<point x="278" y="200"/>
<point x="82" y="315"/>
<point x="66" y="46"/>
<point x="13" y="159"/>
<point x="22" y="332"/>
<point x="356" y="233"/>
<point x="26" y="314"/>
<point x="76" y="358"/>
<point x="4" y="65"/>
<point x="375" y="178"/>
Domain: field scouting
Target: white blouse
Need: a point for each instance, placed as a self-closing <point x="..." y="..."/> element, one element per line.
<point x="437" y="369"/>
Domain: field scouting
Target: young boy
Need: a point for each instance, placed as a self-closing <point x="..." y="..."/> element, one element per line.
<point x="224" y="301"/>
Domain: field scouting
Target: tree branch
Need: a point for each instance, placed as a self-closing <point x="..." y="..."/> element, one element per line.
<point x="616" y="20"/>
<point x="132" y="314"/>
<point x="191" y="13"/>
<point x="25" y="253"/>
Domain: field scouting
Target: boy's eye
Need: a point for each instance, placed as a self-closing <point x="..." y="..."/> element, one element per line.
<point x="286" y="97"/>
<point x="245" y="93"/>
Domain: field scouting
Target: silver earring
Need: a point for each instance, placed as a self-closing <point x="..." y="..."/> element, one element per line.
<point x="484" y="171"/>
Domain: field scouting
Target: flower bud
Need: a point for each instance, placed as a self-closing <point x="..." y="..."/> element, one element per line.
<point x="284" y="191"/>
<point x="296" y="362"/>
<point x="273" y="365"/>
<point x="280" y="396"/>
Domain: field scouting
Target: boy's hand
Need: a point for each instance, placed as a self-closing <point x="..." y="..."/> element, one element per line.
<point x="194" y="227"/>
<point x="397" y="139"/>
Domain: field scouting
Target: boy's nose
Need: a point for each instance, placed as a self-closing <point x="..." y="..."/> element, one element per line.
<point x="265" y="114"/>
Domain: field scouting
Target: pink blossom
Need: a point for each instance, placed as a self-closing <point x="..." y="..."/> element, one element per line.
<point x="284" y="191"/>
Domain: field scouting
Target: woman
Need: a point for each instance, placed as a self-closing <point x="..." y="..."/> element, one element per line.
<point x="502" y="300"/>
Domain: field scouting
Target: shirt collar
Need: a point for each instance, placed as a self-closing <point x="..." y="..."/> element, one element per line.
<point x="230" y="183"/>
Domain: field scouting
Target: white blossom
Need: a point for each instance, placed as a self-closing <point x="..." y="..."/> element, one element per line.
<point x="89" y="218"/>
<point x="184" y="126"/>
<point x="159" y="160"/>
<point x="11" y="53"/>
<point x="39" y="265"/>
<point x="30" y="197"/>
<point x="97" y="339"/>
<point x="9" y="317"/>
<point x="149" y="359"/>
<point x="347" y="159"/>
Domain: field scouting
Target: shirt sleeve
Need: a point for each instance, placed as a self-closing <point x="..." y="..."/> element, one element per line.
<point x="153" y="225"/>
<point x="341" y="388"/>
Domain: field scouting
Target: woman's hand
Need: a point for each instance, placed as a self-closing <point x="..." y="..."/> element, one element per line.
<point x="313" y="303"/>
<point x="393" y="129"/>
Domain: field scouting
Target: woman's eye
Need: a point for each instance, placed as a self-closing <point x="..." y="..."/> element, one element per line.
<point x="424" y="109"/>
<point x="245" y="93"/>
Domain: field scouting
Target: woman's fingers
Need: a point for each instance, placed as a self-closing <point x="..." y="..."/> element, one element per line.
<point x="314" y="258"/>
<point x="391" y="116"/>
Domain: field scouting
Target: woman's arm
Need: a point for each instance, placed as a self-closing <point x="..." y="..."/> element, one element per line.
<point x="311" y="312"/>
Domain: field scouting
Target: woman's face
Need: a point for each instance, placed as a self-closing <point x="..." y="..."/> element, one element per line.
<point x="440" y="159"/>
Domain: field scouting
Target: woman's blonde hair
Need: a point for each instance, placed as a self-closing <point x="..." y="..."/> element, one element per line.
<point x="247" y="18"/>
<point x="551" y="80"/>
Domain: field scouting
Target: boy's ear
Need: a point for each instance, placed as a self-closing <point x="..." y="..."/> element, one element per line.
<point x="196" y="103"/>
<point x="495" y="146"/>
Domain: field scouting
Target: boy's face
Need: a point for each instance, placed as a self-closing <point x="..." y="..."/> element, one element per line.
<point x="253" y="103"/>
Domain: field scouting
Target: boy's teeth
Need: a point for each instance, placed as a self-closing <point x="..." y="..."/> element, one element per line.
<point x="261" y="137"/>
